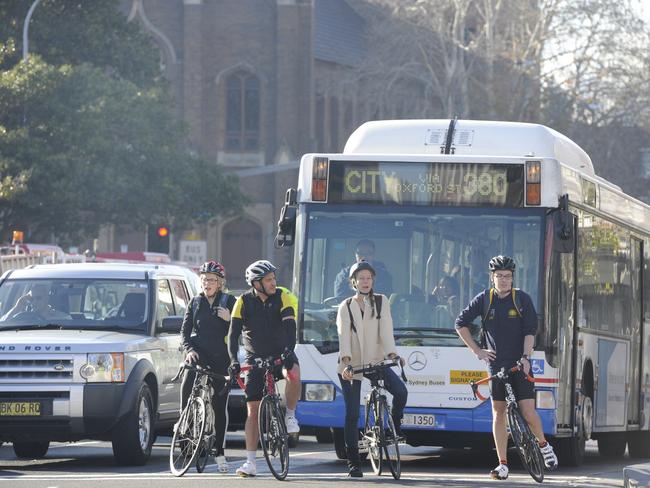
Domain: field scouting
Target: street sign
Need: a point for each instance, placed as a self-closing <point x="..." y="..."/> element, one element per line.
<point x="193" y="252"/>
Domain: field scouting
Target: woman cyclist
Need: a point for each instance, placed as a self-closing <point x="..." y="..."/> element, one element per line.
<point x="204" y="330"/>
<point x="365" y="330"/>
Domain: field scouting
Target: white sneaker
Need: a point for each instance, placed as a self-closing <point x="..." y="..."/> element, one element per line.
<point x="222" y="464"/>
<point x="550" y="459"/>
<point x="292" y="424"/>
<point x="500" y="472"/>
<point x="247" y="470"/>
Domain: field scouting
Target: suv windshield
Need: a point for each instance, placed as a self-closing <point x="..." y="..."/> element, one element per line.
<point x="429" y="265"/>
<point x="74" y="303"/>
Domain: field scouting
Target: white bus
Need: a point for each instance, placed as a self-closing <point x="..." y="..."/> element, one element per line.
<point x="438" y="199"/>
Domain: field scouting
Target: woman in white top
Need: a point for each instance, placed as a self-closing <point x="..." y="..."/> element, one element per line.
<point x="365" y="336"/>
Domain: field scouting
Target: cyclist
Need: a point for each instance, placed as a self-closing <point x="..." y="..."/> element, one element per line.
<point x="365" y="330"/>
<point x="265" y="315"/>
<point x="509" y="326"/>
<point x="204" y="330"/>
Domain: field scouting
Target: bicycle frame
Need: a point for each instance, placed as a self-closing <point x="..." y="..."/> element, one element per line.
<point x="520" y="432"/>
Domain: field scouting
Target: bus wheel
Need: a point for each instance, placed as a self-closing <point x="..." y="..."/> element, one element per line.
<point x="339" y="443"/>
<point x="571" y="450"/>
<point x="324" y="436"/>
<point x="612" y="445"/>
<point x="638" y="444"/>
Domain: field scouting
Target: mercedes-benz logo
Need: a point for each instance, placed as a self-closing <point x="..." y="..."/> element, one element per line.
<point x="417" y="360"/>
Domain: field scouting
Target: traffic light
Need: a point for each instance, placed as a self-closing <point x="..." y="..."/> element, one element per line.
<point x="158" y="238"/>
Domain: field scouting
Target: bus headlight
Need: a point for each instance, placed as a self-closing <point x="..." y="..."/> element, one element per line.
<point x="544" y="399"/>
<point x="318" y="392"/>
<point x="104" y="368"/>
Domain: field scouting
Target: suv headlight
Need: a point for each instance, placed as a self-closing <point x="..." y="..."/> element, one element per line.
<point x="104" y="368"/>
<point x="318" y="392"/>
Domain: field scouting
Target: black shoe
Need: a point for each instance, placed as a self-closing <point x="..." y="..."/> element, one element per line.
<point x="355" y="471"/>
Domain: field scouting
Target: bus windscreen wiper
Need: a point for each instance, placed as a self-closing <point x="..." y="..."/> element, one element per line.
<point x="422" y="331"/>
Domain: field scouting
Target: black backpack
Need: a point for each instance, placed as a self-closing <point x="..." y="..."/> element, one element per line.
<point x="487" y="304"/>
<point x="196" y="303"/>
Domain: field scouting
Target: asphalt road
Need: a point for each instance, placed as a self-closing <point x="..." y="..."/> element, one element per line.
<point x="90" y="465"/>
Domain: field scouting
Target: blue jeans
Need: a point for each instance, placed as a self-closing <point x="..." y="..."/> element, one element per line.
<point x="352" y="397"/>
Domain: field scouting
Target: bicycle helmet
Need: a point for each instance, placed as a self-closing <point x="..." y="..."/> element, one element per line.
<point x="213" y="267"/>
<point x="361" y="265"/>
<point x="258" y="270"/>
<point x="501" y="262"/>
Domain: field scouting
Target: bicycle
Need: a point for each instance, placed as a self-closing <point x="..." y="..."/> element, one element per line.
<point x="522" y="437"/>
<point x="273" y="431"/>
<point x="379" y="435"/>
<point x="194" y="433"/>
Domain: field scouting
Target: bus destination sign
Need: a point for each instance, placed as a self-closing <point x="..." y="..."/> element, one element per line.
<point x="409" y="183"/>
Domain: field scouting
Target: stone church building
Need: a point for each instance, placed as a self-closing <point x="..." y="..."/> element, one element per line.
<point x="250" y="79"/>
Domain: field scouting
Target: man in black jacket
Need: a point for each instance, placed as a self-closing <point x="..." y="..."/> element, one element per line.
<point x="364" y="251"/>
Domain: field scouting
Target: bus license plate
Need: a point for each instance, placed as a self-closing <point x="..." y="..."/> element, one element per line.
<point x="20" y="409"/>
<point x="418" y="420"/>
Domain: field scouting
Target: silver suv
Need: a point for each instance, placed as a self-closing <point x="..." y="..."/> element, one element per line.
<point x="87" y="351"/>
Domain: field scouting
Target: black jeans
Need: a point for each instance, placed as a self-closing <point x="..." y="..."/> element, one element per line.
<point x="219" y="405"/>
<point x="352" y="397"/>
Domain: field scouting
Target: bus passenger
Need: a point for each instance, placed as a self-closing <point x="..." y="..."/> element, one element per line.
<point x="445" y="294"/>
<point x="509" y="326"/>
<point x="204" y="330"/>
<point x="364" y="251"/>
<point x="365" y="332"/>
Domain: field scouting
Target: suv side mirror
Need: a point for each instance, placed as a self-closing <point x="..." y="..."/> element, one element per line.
<point x="171" y="325"/>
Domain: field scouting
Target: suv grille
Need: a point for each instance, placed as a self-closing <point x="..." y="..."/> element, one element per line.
<point x="36" y="369"/>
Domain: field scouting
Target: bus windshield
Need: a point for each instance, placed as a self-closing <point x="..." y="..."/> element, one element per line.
<point x="430" y="263"/>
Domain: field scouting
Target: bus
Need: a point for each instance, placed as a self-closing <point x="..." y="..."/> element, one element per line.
<point x="437" y="199"/>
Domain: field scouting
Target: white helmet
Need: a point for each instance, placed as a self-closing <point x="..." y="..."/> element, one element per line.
<point x="258" y="270"/>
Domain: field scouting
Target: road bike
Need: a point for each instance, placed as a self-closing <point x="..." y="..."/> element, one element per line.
<point x="379" y="436"/>
<point x="273" y="430"/>
<point x="522" y="437"/>
<point x="194" y="433"/>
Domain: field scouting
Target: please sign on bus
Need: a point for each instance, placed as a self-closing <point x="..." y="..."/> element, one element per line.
<point x="463" y="377"/>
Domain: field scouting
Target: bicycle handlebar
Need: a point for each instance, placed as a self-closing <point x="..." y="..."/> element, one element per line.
<point x="207" y="372"/>
<point x="385" y="364"/>
<point x="500" y="375"/>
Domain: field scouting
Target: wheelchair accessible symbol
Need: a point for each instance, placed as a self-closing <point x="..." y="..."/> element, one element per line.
<point x="537" y="366"/>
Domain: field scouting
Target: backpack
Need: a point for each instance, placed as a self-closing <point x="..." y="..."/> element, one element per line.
<point x="196" y="302"/>
<point x="377" y="302"/>
<point x="487" y="304"/>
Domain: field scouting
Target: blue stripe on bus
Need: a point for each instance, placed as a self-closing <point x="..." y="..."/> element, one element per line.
<point x="479" y="419"/>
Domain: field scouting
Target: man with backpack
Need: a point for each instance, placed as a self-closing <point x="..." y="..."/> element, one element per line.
<point x="204" y="330"/>
<point x="365" y="329"/>
<point x="509" y="324"/>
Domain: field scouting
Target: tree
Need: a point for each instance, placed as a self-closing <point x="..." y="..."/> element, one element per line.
<point x="84" y="145"/>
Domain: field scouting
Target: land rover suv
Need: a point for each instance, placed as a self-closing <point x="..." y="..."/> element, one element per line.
<point x="88" y="351"/>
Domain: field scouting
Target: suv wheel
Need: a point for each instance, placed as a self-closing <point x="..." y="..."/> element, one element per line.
<point x="133" y="436"/>
<point x="31" y="450"/>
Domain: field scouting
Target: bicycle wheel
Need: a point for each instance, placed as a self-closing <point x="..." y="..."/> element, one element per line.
<point x="526" y="444"/>
<point x="204" y="452"/>
<point x="371" y="438"/>
<point x="273" y="437"/>
<point x="188" y="436"/>
<point x="389" y="440"/>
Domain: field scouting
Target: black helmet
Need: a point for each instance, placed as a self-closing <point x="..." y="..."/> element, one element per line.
<point x="213" y="267"/>
<point x="501" y="262"/>
<point x="361" y="265"/>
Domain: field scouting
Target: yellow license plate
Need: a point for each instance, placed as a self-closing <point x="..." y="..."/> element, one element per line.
<point x="17" y="409"/>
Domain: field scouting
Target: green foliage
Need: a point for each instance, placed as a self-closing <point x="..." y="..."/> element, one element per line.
<point x="82" y="145"/>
